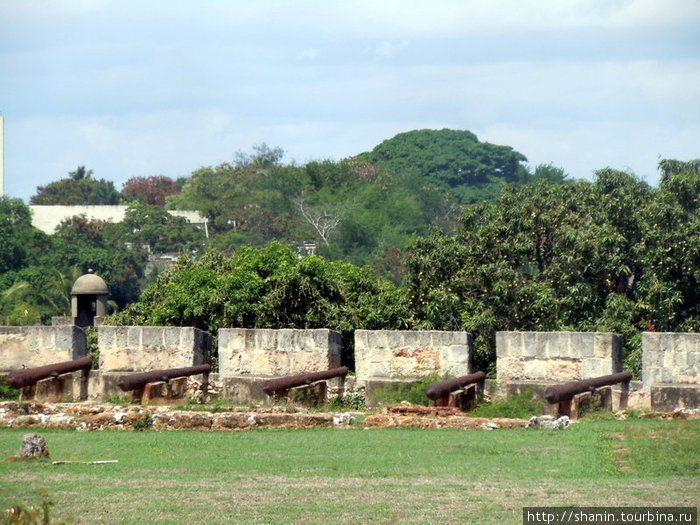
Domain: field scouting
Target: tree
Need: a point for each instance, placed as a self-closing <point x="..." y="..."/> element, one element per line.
<point x="161" y="232"/>
<point x="80" y="173"/>
<point x="149" y="190"/>
<point x="266" y="288"/>
<point x="613" y="255"/>
<point x="263" y="158"/>
<point x="20" y="242"/>
<point x="98" y="246"/>
<point x="452" y="159"/>
<point x="324" y="221"/>
<point x="79" y="188"/>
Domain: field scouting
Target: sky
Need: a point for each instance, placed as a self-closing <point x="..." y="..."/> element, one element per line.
<point x="133" y="88"/>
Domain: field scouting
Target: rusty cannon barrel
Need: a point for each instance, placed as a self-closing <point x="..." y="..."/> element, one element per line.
<point x="141" y="379"/>
<point x="442" y="389"/>
<point x="30" y="376"/>
<point x="565" y="391"/>
<point x="282" y="384"/>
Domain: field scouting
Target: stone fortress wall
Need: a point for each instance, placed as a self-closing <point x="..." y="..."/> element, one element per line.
<point x="556" y="356"/>
<point x="247" y="357"/>
<point x="31" y="346"/>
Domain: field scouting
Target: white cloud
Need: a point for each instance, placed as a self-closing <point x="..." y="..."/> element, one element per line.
<point x="141" y="88"/>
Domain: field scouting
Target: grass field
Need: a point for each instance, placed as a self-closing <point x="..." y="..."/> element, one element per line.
<point x="354" y="475"/>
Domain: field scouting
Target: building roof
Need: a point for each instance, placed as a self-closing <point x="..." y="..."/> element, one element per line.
<point x="89" y="284"/>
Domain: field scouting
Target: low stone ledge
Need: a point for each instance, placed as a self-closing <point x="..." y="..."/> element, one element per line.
<point x="666" y="397"/>
<point x="385" y="420"/>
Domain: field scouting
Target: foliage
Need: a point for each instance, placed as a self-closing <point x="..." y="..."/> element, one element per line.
<point x="78" y="188"/>
<point x="150" y="191"/>
<point x="6" y="391"/>
<point x="142" y="423"/>
<point x="266" y="288"/>
<point x="454" y="159"/>
<point x="88" y="244"/>
<point x="352" y="209"/>
<point x="93" y="346"/>
<point x="19" y="240"/>
<point x="161" y="232"/>
<point x="410" y="391"/>
<point x="612" y="255"/>
<point x="348" y="401"/>
<point x="522" y="406"/>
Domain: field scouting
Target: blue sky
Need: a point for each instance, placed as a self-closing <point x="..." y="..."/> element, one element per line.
<point x="137" y="88"/>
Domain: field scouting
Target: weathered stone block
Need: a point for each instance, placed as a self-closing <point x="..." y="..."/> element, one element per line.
<point x="32" y="346"/>
<point x="561" y="370"/>
<point x="669" y="358"/>
<point x="669" y="397"/>
<point x="561" y="356"/>
<point x="313" y="395"/>
<point x="534" y="369"/>
<point x="411" y="354"/>
<point x="145" y="348"/>
<point x="165" y="392"/>
<point x="277" y="352"/>
<point x="244" y="389"/>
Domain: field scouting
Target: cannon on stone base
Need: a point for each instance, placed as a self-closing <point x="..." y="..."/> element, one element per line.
<point x="304" y="383"/>
<point x="162" y="386"/>
<point x="50" y="382"/>
<point x="595" y="391"/>
<point x="461" y="392"/>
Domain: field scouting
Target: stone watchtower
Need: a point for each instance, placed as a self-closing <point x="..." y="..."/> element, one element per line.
<point x="88" y="299"/>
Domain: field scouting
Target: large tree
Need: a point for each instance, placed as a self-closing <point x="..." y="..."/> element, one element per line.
<point x="161" y="232"/>
<point x="267" y="288"/>
<point x="20" y="242"/>
<point x="149" y="190"/>
<point x="99" y="246"/>
<point x="79" y="188"/>
<point x="613" y="255"/>
<point x="455" y="159"/>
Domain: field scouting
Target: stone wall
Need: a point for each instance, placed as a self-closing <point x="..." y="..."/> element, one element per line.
<point x="409" y="354"/>
<point x="556" y="356"/>
<point x="670" y="358"/>
<point x="32" y="346"/>
<point x="263" y="352"/>
<point x="143" y="348"/>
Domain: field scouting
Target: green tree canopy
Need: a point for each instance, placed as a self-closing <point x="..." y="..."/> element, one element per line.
<point x="152" y="226"/>
<point x="612" y="255"/>
<point x="20" y="242"/>
<point x="98" y="245"/>
<point x="79" y="188"/>
<point x="266" y="288"/>
<point x="454" y="159"/>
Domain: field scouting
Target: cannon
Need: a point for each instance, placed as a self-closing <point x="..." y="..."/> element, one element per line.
<point x="139" y="380"/>
<point x="279" y="386"/>
<point x="566" y="391"/>
<point x="30" y="376"/>
<point x="570" y="405"/>
<point x="444" y="388"/>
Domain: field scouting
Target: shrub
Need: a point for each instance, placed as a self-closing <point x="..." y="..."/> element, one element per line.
<point x="522" y="405"/>
<point x="413" y="392"/>
<point x="7" y="392"/>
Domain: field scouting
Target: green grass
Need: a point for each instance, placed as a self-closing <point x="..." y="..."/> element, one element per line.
<point x="354" y="475"/>
<point x="522" y="405"/>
